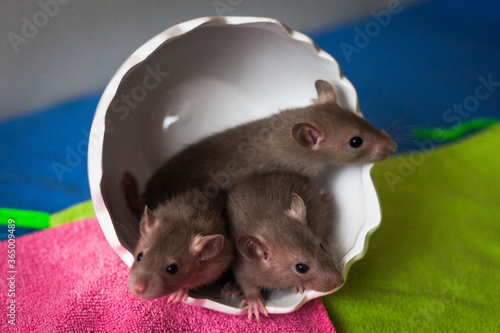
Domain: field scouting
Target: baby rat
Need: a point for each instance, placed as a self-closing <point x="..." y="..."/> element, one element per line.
<point x="271" y="216"/>
<point x="302" y="140"/>
<point x="180" y="248"/>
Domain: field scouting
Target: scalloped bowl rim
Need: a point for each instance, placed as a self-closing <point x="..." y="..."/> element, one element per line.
<point x="95" y="151"/>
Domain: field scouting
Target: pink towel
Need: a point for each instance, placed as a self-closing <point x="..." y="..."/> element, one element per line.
<point x="69" y="279"/>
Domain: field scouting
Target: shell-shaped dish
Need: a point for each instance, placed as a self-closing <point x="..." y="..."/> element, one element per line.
<point x="201" y="77"/>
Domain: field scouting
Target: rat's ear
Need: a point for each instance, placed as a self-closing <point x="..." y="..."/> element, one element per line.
<point x="206" y="247"/>
<point x="297" y="208"/>
<point x="147" y="221"/>
<point x="326" y="94"/>
<point x="307" y="135"/>
<point x="252" y="248"/>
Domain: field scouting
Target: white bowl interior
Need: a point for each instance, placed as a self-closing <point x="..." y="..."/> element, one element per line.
<point x="221" y="73"/>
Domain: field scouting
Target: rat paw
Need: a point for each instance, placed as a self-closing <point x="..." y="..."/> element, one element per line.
<point x="131" y="189"/>
<point x="128" y="181"/>
<point x="298" y="289"/>
<point x="180" y="295"/>
<point x="327" y="196"/>
<point x="255" y="306"/>
<point x="232" y="289"/>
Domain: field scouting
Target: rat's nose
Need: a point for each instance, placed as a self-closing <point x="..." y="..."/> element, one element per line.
<point x="393" y="146"/>
<point x="340" y="281"/>
<point x="389" y="148"/>
<point x="337" y="280"/>
<point x="332" y="282"/>
<point x="380" y="152"/>
<point x="140" y="287"/>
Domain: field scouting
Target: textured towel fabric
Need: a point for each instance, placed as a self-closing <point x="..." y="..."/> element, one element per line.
<point x="69" y="280"/>
<point x="434" y="263"/>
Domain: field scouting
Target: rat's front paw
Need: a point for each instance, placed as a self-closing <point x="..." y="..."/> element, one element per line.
<point x="255" y="306"/>
<point x="298" y="289"/>
<point x="179" y="295"/>
<point x="232" y="289"/>
<point x="327" y="197"/>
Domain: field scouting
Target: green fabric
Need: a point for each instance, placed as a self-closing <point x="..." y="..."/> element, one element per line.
<point x="42" y="220"/>
<point x="456" y="132"/>
<point x="76" y="212"/>
<point x="25" y="218"/>
<point x="434" y="263"/>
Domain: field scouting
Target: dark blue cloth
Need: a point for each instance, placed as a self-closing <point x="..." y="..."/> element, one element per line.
<point x="33" y="145"/>
<point x="427" y="58"/>
<point x="20" y="231"/>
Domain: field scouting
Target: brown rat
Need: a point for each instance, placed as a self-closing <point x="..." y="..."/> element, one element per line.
<point x="302" y="140"/>
<point x="180" y="248"/>
<point x="273" y="221"/>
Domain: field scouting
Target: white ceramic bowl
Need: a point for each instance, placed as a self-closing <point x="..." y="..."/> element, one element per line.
<point x="201" y="77"/>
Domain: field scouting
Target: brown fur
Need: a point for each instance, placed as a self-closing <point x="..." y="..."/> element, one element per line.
<point x="281" y="142"/>
<point x="301" y="140"/>
<point x="167" y="238"/>
<point x="259" y="209"/>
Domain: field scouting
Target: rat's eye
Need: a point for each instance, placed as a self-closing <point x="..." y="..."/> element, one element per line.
<point x="322" y="247"/>
<point x="172" y="269"/>
<point x="355" y="142"/>
<point x="139" y="256"/>
<point x="301" y="268"/>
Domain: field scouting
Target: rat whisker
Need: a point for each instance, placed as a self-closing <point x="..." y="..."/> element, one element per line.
<point x="394" y="123"/>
